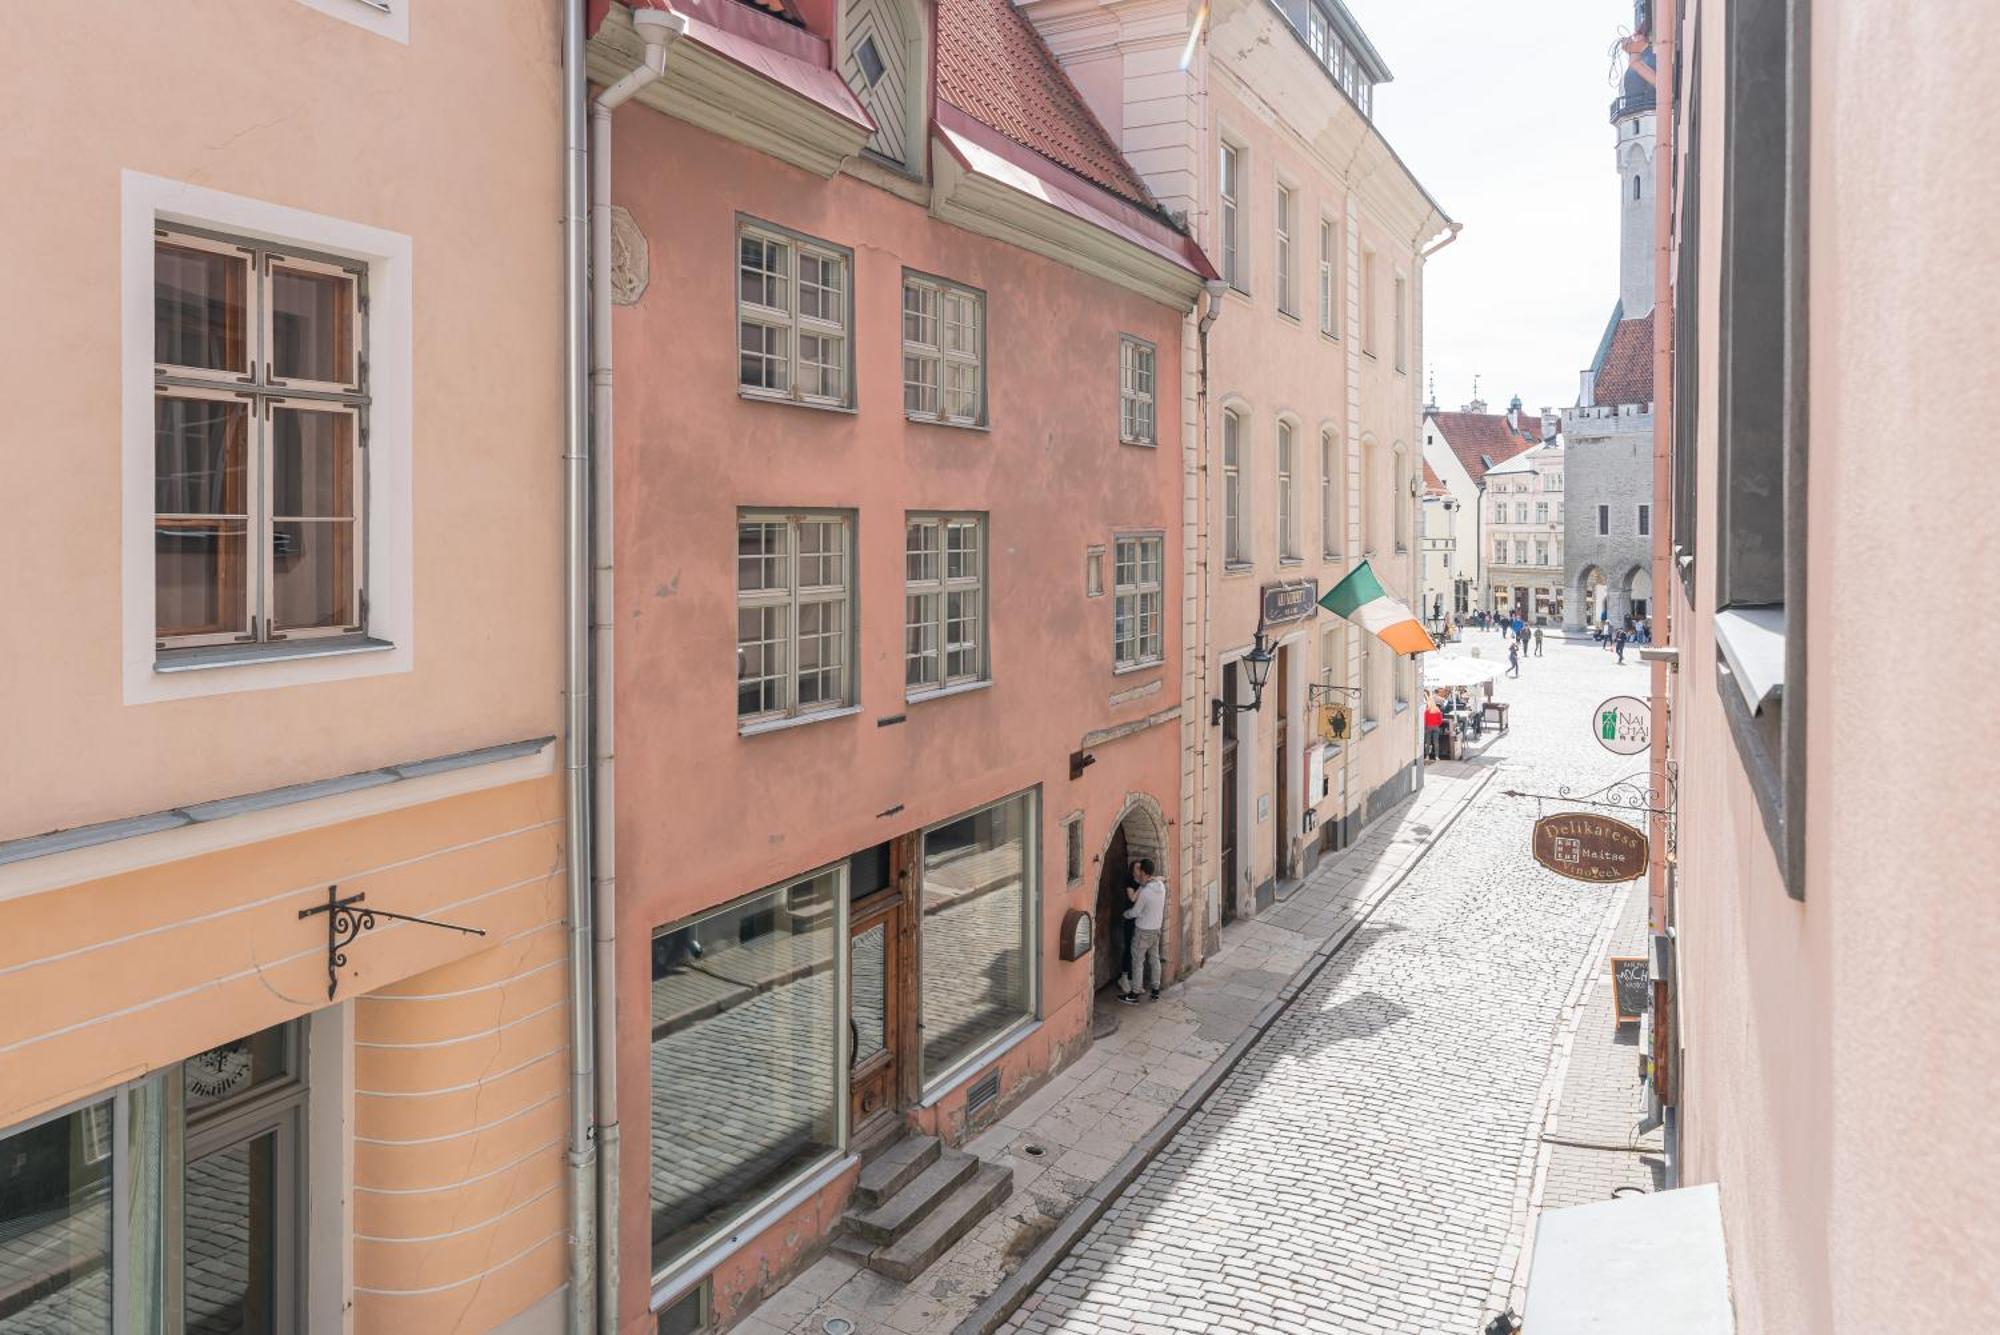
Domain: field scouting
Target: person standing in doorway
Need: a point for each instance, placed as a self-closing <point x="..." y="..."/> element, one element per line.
<point x="1126" y="930"/>
<point x="1149" y="916"/>
<point x="1538" y="641"/>
<point x="1514" y="659"/>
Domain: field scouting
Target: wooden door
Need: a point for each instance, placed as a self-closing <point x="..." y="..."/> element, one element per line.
<point x="875" y="983"/>
<point x="1229" y="802"/>
<point x="1280" y="827"/>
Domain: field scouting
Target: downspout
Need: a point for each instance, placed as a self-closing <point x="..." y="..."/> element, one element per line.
<point x="660" y="30"/>
<point x="581" y="1150"/>
<point x="1214" y="289"/>
<point x="1666" y="34"/>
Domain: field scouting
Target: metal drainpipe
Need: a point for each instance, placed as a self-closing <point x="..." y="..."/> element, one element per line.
<point x="581" y="1150"/>
<point x="660" y="28"/>
<point x="1215" y="290"/>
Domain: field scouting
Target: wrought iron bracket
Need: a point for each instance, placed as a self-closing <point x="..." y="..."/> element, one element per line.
<point x="344" y="922"/>
<point x="1648" y="792"/>
<point x="1315" y="689"/>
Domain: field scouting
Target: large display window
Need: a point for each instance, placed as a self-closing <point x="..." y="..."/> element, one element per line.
<point x="980" y="926"/>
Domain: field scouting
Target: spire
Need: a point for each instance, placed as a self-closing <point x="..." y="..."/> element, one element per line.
<point x="1431" y="396"/>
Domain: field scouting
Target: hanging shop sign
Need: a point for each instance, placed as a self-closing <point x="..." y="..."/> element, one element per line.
<point x="1077" y="928"/>
<point x="1631" y="987"/>
<point x="1587" y="847"/>
<point x="1290" y="602"/>
<point x="1623" y="725"/>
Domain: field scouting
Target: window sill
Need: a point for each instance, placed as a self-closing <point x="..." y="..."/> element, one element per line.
<point x="915" y="420"/>
<point x="1139" y="444"/>
<point x="245" y="655"/>
<point x="1329" y="336"/>
<point x="1402" y="706"/>
<point x="1752" y="640"/>
<point x="1291" y="315"/>
<point x="782" y="724"/>
<point x="1368" y="725"/>
<point x="1144" y="665"/>
<point x="1291" y="560"/>
<point x="962" y="688"/>
<point x="787" y="401"/>
<point x="1239" y="567"/>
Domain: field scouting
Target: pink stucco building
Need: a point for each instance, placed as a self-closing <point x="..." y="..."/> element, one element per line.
<point x="898" y="497"/>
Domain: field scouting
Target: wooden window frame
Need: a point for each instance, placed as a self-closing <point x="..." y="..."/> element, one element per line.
<point x="1138" y="391"/>
<point x="793" y="596"/>
<point x="941" y="586"/>
<point x="1140" y="590"/>
<point x="790" y="318"/>
<point x="936" y="299"/>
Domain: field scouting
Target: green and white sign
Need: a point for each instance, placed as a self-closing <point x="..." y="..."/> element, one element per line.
<point x="1623" y="725"/>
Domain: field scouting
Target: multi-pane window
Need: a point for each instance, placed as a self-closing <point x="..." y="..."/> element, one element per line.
<point x="1288" y="520"/>
<point x="1235" y="543"/>
<point x="1287" y="297"/>
<point x="1520" y="512"/>
<point x="1328" y="260"/>
<point x="1499" y="549"/>
<point x="1138" y="601"/>
<point x="794" y="588"/>
<point x="260" y="423"/>
<point x="1553" y="482"/>
<point x="1402" y="323"/>
<point x="1331" y="520"/>
<point x="1541" y="512"/>
<point x="944" y="351"/>
<point x="944" y="616"/>
<point x="1317" y="35"/>
<point x="1368" y="302"/>
<point x="1231" y="188"/>
<point x="1520" y="551"/>
<point x="793" y="314"/>
<point x="1541" y="551"/>
<point x="1135" y="391"/>
<point x="1500" y="512"/>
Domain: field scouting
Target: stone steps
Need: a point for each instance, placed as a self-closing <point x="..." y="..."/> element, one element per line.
<point x="915" y="1200"/>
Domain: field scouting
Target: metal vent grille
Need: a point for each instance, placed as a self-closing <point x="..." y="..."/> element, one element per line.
<point x="982" y="1094"/>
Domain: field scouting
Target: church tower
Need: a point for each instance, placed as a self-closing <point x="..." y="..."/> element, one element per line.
<point x="1632" y="117"/>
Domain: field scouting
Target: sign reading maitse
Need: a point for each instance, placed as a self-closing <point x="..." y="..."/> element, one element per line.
<point x="1587" y="847"/>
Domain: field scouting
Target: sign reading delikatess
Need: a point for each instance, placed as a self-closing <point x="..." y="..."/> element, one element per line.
<point x="1290" y="602"/>
<point x="1587" y="847"/>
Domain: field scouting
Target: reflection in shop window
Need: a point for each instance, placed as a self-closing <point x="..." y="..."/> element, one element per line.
<point x="978" y="941"/>
<point x="743" y="1059"/>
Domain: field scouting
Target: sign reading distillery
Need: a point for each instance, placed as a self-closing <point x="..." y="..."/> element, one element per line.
<point x="1586" y="847"/>
<point x="1290" y="602"/>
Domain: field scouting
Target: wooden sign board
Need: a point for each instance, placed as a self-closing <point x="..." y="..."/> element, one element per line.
<point x="1585" y="846"/>
<point x="1290" y="602"/>
<point x="1631" y="987"/>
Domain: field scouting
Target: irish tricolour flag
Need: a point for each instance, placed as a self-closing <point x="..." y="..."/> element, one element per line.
<point x="1360" y="599"/>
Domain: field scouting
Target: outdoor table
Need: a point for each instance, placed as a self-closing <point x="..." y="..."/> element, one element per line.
<point x="1497" y="711"/>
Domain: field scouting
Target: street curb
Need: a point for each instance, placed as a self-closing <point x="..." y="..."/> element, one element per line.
<point x="1040" y="1263"/>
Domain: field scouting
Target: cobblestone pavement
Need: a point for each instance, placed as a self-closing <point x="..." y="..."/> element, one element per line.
<point x="1092" y="1112"/>
<point x="1373" y="1162"/>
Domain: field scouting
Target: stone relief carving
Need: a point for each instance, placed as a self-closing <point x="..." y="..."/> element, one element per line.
<point x="631" y="265"/>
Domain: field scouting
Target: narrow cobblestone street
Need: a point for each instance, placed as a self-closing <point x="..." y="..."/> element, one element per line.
<point x="1371" y="1163"/>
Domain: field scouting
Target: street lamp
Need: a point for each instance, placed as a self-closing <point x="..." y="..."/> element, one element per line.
<point x="1258" y="664"/>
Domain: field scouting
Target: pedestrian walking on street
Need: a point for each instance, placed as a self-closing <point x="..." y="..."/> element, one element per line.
<point x="1538" y="641"/>
<point x="1514" y="659"/>
<point x="1149" y="915"/>
<point x="1618" y="644"/>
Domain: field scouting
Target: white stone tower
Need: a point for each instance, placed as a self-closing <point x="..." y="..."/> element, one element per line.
<point x="1632" y="116"/>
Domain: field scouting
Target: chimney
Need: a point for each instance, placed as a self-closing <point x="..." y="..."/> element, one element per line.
<point x="1551" y="423"/>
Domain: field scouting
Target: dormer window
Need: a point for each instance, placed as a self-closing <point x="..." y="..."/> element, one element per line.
<point x="883" y="65"/>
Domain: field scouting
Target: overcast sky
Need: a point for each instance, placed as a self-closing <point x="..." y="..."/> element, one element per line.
<point x="1499" y="107"/>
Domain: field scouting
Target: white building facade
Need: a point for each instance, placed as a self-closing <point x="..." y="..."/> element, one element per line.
<point x="1524" y="501"/>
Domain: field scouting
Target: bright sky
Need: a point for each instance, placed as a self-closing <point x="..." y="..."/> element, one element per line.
<point x="1499" y="107"/>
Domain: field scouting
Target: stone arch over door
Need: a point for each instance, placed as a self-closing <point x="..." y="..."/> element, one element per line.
<point x="1638" y="591"/>
<point x="1591" y="598"/>
<point x="1139" y="832"/>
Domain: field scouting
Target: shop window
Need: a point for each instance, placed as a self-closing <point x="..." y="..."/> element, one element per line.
<point x="977" y="942"/>
<point x="743" y="1064"/>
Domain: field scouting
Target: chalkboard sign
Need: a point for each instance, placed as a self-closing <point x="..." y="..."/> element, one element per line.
<point x="1632" y="987"/>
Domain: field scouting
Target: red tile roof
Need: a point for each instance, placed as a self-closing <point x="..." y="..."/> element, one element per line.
<point x="994" y="66"/>
<point x="1626" y="373"/>
<point x="1433" y="484"/>
<point x="1471" y="435"/>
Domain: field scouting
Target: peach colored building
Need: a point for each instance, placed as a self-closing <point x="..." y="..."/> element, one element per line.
<point x="286" y="359"/>
<point x="897" y="349"/>
<point x="1824" y="1054"/>
<point x="1303" y="453"/>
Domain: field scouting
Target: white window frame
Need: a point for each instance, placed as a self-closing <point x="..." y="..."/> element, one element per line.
<point x="1093" y="572"/>
<point x="790" y="319"/>
<point x="1138" y="650"/>
<point x="384" y="18"/>
<point x="1332" y="514"/>
<point x="1283" y="258"/>
<point x="1541" y="512"/>
<point x="1329" y="277"/>
<point x="1520" y="551"/>
<point x="384" y="511"/>
<point x="942" y="584"/>
<point x="1235" y="490"/>
<point x="938" y="298"/>
<point x="1402" y="323"/>
<point x="1500" y="551"/>
<point x="1138" y="386"/>
<point x="1541" y="551"/>
<point x="1229" y="189"/>
<point x="1287" y="472"/>
<point x="792" y="596"/>
<point x="1318" y="33"/>
<point x="1368" y="303"/>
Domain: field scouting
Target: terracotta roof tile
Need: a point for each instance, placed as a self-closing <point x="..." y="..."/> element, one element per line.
<point x="1432" y="482"/>
<point x="994" y="66"/>
<point x="1473" y="435"/>
<point x="1626" y="373"/>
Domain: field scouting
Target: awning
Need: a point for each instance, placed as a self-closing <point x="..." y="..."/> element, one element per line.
<point x="1444" y="673"/>
<point x="1651" y="1264"/>
<point x="1361" y="599"/>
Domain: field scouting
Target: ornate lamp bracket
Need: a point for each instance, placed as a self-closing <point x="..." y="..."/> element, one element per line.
<point x="344" y="922"/>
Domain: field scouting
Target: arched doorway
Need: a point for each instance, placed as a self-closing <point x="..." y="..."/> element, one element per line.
<point x="1639" y="593"/>
<point x="1593" y="596"/>
<point x="1141" y="832"/>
